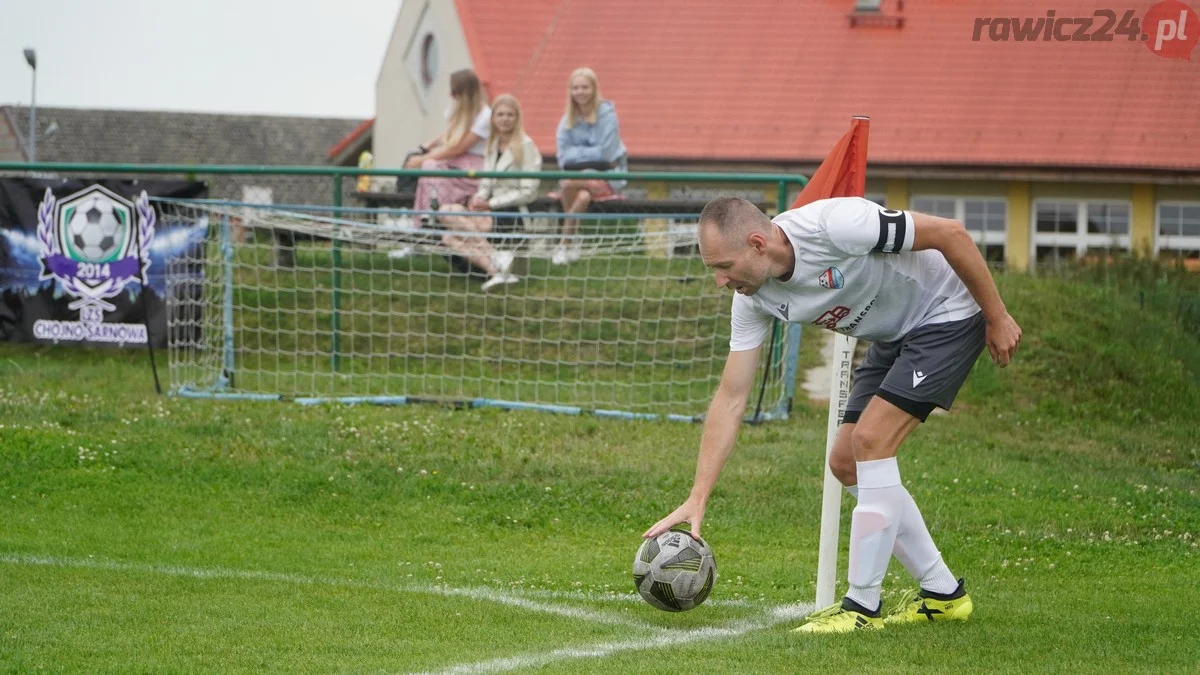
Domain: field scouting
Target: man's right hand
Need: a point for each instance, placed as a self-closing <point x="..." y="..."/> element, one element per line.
<point x="692" y="511"/>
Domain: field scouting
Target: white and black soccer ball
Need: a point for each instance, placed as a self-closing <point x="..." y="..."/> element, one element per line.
<point x="674" y="571"/>
<point x="94" y="230"/>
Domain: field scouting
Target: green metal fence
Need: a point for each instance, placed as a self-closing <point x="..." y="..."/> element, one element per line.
<point x="783" y="184"/>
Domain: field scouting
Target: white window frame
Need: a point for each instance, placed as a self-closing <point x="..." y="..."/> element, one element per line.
<point x="1172" y="242"/>
<point x="1080" y="239"/>
<point x="987" y="238"/>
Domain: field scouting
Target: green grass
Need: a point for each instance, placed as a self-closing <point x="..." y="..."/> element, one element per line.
<point x="150" y="534"/>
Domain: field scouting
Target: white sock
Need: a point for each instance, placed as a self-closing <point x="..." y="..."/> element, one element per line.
<point x="873" y="526"/>
<point x="914" y="548"/>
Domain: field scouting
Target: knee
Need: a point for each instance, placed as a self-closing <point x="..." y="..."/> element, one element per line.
<point x="870" y="443"/>
<point x="843" y="468"/>
<point x="582" y="200"/>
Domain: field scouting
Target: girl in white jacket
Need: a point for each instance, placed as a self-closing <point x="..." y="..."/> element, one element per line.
<point x="508" y="149"/>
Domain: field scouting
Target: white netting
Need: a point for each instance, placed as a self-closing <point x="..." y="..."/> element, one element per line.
<point x="302" y="305"/>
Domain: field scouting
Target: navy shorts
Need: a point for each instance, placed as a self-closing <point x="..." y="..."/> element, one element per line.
<point x="920" y="371"/>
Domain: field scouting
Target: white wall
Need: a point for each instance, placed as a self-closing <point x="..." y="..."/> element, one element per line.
<point x="407" y="113"/>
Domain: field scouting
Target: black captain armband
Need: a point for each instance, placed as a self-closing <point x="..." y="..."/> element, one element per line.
<point x="893" y="230"/>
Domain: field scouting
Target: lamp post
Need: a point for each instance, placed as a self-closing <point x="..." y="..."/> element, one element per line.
<point x="31" y="59"/>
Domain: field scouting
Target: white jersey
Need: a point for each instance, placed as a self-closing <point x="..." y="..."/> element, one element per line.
<point x="856" y="273"/>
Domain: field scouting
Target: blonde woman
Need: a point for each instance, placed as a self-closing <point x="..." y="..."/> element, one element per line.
<point x="589" y="139"/>
<point x="461" y="146"/>
<point x="508" y="149"/>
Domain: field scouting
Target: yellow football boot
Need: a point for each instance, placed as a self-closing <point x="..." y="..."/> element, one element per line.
<point x="844" y="617"/>
<point x="926" y="607"/>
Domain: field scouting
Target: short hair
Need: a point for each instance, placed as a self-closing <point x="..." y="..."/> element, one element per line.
<point x="734" y="215"/>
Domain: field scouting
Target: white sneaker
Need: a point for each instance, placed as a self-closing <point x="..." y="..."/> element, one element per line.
<point x="498" y="280"/>
<point x="503" y="261"/>
<point x="560" y="256"/>
<point x="401" y="253"/>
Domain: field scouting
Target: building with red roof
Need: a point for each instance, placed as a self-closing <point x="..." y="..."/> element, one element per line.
<point x="1047" y="132"/>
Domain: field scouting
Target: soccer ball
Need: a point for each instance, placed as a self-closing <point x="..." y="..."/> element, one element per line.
<point x="93" y="230"/>
<point x="675" y="571"/>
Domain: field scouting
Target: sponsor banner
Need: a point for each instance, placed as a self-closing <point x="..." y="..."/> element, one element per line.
<point x="84" y="261"/>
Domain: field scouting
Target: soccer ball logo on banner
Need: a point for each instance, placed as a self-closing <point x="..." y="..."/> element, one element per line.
<point x="94" y="228"/>
<point x="95" y="242"/>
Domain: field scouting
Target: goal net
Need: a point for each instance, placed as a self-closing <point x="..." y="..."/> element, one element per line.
<point x="363" y="307"/>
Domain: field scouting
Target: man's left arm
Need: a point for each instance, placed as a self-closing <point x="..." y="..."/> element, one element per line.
<point x="951" y="239"/>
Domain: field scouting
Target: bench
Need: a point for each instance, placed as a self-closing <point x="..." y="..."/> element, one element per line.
<point x="549" y="203"/>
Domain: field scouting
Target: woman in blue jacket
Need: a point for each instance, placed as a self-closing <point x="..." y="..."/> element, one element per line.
<point x="589" y="139"/>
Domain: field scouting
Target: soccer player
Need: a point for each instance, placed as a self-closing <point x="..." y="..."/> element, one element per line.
<point x="918" y="289"/>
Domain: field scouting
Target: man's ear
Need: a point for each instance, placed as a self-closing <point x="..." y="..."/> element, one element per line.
<point x="757" y="242"/>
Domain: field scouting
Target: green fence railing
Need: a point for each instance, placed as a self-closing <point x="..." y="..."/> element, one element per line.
<point x="783" y="182"/>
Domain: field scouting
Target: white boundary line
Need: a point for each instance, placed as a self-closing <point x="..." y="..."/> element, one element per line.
<point x="661" y="637"/>
<point x="583" y="596"/>
<point x="477" y="593"/>
<point x="665" y="639"/>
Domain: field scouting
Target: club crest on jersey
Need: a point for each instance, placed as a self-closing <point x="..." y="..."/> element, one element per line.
<point x="832" y="278"/>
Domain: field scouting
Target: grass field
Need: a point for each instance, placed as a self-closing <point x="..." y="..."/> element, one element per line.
<point x="147" y="534"/>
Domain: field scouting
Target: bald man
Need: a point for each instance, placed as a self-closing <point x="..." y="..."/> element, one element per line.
<point x="916" y="287"/>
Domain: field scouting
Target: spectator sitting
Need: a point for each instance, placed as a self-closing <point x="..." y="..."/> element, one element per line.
<point x="508" y="149"/>
<point x="461" y="146"/>
<point x="589" y="138"/>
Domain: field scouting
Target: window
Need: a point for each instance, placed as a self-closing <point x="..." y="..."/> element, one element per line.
<point x="1057" y="217"/>
<point x="985" y="219"/>
<point x="429" y="60"/>
<point x="1178" y="231"/>
<point x="878" y="198"/>
<point x="985" y="215"/>
<point x="1075" y="229"/>
<point x="936" y="206"/>
<point x="254" y="194"/>
<point x="1108" y="219"/>
<point x="423" y="59"/>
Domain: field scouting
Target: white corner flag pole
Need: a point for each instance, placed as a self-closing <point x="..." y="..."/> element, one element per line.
<point x="831" y="501"/>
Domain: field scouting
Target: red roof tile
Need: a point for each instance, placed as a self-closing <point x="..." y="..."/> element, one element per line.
<point x="777" y="80"/>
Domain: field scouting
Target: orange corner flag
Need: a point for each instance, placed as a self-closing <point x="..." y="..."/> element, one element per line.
<point x="844" y="171"/>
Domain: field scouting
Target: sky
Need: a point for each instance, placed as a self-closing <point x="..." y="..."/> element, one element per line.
<point x="288" y="57"/>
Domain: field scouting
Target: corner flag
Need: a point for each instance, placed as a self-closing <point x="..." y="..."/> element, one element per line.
<point x="842" y="174"/>
<point x="844" y="171"/>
